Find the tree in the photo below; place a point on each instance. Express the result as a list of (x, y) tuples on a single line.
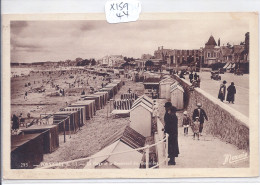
[(149, 64), (78, 59)]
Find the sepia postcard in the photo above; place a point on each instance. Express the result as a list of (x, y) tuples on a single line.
[(167, 96)]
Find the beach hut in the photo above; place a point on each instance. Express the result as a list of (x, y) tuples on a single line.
[(109, 90), (105, 96), (67, 120), (177, 93), (26, 150), (164, 88), (141, 119), (102, 99), (82, 111), (93, 97), (144, 99), (151, 86), (129, 96), (113, 87), (123, 140), (50, 136), (90, 107), (124, 104)]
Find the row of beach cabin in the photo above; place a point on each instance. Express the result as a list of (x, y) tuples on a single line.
[(28, 147)]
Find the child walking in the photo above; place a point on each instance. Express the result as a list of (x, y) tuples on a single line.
[(196, 126), (186, 123)]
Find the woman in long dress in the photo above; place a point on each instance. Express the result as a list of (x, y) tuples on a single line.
[(222, 91), (231, 93)]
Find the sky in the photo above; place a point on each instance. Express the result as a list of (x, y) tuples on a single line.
[(40, 41)]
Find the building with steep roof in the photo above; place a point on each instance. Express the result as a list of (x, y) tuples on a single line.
[(238, 53), (211, 43), (211, 51), (226, 54)]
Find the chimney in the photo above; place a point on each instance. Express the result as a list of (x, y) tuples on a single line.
[(219, 42), (162, 47), (158, 48)]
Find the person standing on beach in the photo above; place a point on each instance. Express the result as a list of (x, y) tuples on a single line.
[(15, 125), (25, 95), (171, 128), (199, 112), (231, 93), (222, 91)]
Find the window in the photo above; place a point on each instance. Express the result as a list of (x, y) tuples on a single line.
[(214, 54), (208, 54)]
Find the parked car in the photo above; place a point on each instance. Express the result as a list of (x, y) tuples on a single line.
[(221, 71), (215, 75)]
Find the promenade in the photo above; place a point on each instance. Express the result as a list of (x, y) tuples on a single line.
[(241, 103)]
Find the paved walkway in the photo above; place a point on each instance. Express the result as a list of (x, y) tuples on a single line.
[(208, 152), (242, 87)]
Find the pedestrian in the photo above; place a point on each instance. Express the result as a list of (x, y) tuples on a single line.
[(196, 128), (231, 93), (199, 112), (25, 95), (222, 91), (15, 121), (20, 119), (171, 128), (83, 92), (196, 76), (191, 76), (182, 75), (28, 115), (186, 122), (198, 82)]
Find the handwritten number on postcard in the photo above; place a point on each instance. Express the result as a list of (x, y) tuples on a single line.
[(122, 11)]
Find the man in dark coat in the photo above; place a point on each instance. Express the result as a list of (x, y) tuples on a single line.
[(171, 128), (196, 76), (191, 77), (231, 93), (199, 112), (222, 91), (182, 74)]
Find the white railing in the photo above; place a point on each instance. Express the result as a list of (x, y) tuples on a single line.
[(161, 151), (160, 128), (146, 148)]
